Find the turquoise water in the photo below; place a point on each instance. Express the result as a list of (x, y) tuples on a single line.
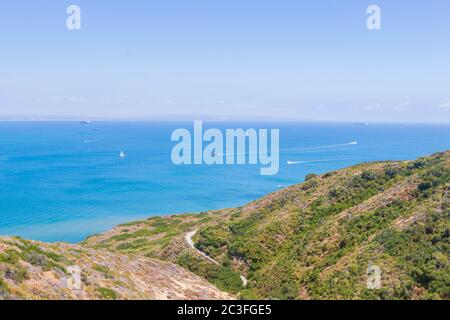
[(62, 181)]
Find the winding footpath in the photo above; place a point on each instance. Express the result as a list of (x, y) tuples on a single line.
[(188, 237), (189, 241)]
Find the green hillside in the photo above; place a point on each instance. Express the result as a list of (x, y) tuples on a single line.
[(316, 240)]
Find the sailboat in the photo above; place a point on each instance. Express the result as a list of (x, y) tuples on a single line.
[(122, 154)]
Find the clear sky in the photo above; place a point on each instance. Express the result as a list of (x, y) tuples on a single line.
[(298, 59)]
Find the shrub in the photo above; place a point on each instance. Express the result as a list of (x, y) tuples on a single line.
[(106, 294), (418, 164), (4, 289), (9, 257), (104, 270), (424, 186), (17, 275), (391, 172), (36, 259), (223, 277), (310, 176), (369, 176)]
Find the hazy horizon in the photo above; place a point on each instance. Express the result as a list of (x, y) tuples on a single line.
[(209, 118)]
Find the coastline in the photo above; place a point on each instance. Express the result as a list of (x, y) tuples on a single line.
[(73, 189), (224, 245)]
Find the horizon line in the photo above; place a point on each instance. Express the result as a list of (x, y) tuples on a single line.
[(354, 122)]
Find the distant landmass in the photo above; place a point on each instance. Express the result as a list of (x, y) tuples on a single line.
[(175, 117)]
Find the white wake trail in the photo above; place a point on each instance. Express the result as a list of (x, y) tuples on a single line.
[(330, 146)]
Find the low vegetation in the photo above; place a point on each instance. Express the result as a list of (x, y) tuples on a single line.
[(315, 240), (35, 270)]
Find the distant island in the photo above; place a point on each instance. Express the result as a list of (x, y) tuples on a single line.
[(372, 231)]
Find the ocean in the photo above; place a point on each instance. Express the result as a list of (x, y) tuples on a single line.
[(63, 181)]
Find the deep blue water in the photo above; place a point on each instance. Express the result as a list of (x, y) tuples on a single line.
[(62, 181)]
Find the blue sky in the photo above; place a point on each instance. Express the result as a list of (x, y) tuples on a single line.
[(287, 58)]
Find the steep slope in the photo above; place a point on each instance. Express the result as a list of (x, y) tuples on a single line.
[(34, 270), (320, 239), (164, 238)]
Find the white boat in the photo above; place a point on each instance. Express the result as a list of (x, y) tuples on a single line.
[(85, 122), (122, 154)]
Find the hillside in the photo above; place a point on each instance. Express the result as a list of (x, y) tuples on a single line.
[(317, 240), (34, 270)]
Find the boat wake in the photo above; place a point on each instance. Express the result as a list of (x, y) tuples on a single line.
[(319, 148), (313, 161), (294, 162)]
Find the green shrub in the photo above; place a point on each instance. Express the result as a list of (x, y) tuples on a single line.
[(392, 172), (369, 175), (310, 176), (104, 270), (418, 164), (106, 293), (18, 275), (223, 277), (9, 257), (4, 289)]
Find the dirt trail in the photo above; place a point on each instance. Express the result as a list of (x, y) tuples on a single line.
[(188, 237), (189, 241)]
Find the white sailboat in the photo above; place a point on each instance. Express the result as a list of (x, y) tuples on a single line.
[(122, 154)]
